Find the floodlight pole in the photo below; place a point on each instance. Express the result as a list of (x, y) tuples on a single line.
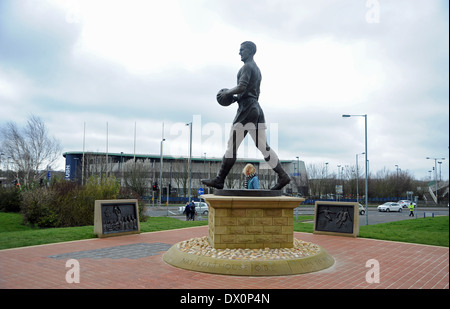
[(161, 164), (435, 176), (366, 165), (190, 158)]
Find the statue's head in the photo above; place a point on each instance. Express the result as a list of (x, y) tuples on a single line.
[(250, 46)]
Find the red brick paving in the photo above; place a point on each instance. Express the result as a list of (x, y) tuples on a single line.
[(402, 266)]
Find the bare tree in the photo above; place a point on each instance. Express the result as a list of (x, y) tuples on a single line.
[(31, 148), (137, 176)]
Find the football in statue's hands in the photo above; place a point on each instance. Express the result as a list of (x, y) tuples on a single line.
[(224, 100)]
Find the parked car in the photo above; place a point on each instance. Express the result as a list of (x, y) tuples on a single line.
[(405, 203), (200, 208), (390, 206), (362, 209)]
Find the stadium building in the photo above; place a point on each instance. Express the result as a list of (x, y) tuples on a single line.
[(149, 175)]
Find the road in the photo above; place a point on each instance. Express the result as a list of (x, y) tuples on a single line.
[(374, 217), (169, 211)]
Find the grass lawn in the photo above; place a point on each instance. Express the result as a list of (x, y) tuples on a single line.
[(13, 234), (431, 231), (428, 231)]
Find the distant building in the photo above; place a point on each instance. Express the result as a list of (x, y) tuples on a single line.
[(130, 168)]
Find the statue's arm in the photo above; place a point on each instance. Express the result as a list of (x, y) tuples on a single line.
[(236, 90)]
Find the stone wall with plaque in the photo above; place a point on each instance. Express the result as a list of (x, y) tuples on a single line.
[(116, 217), (251, 222), (336, 218)]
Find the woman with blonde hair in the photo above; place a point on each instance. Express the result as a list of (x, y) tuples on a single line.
[(251, 180)]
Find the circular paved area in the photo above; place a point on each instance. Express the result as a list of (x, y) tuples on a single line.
[(135, 262)]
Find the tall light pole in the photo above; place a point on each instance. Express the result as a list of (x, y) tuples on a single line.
[(338, 194), (365, 138), (161, 165), (357, 177), (190, 158), (396, 180), (435, 175), (326, 179)]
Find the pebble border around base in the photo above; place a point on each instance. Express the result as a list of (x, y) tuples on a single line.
[(197, 255)]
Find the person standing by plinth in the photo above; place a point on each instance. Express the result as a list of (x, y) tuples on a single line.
[(251, 179)]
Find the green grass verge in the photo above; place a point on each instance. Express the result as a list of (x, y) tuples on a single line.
[(430, 231), (427, 231), (13, 234)]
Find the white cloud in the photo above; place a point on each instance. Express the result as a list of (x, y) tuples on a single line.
[(150, 62)]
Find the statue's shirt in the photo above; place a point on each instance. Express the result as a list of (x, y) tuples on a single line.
[(249, 110)]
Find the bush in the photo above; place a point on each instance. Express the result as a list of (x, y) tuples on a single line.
[(10, 199), (37, 207), (66, 203)]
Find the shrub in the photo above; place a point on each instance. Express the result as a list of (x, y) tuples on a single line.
[(10, 199), (66, 203), (37, 207)]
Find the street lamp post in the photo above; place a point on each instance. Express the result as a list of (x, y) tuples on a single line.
[(161, 165), (366, 167), (435, 174), (190, 158), (357, 177), (396, 180), (326, 179), (338, 195)]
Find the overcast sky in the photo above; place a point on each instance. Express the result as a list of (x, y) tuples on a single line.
[(143, 63)]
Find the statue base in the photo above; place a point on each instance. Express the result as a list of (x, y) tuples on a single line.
[(197, 255), (249, 236)]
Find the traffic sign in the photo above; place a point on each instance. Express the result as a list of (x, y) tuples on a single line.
[(201, 191)]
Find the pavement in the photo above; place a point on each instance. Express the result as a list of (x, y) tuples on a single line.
[(135, 262)]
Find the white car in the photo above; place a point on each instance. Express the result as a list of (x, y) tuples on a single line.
[(405, 203), (362, 209), (200, 208), (390, 206)]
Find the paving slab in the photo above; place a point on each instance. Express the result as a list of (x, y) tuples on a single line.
[(135, 262)]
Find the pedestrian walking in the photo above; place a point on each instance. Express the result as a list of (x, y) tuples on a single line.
[(192, 208), (411, 209), (187, 211)]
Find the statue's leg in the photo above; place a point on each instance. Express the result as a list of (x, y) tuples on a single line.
[(260, 139), (228, 160)]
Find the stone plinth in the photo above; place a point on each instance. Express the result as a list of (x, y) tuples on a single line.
[(249, 236), (251, 222)]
